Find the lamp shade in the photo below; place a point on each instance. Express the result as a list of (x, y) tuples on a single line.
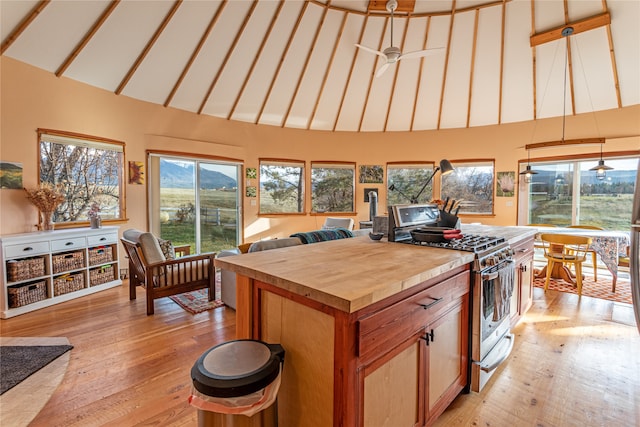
[(601, 167), (528, 171), (445, 167)]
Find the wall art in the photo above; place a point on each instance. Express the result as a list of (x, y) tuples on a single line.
[(371, 174), (506, 184), (10, 175), (136, 172)]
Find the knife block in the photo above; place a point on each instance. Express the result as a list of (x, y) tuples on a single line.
[(448, 220)]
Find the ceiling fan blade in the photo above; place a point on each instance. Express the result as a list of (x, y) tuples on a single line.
[(382, 69), (421, 53), (368, 49)]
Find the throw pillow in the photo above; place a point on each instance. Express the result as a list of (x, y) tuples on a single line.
[(167, 249)]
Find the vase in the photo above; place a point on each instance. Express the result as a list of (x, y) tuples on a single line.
[(95, 222), (47, 220)]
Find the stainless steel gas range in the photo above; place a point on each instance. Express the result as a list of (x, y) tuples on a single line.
[(493, 280)]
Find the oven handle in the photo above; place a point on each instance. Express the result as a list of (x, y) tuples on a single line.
[(502, 358), (494, 275)]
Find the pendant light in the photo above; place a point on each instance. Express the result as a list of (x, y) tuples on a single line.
[(528, 172), (601, 169)]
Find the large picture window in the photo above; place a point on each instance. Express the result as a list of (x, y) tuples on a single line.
[(407, 181), (86, 170), (567, 192), (281, 186), (332, 187), (472, 184)]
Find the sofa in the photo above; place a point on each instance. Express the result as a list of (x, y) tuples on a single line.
[(228, 278)]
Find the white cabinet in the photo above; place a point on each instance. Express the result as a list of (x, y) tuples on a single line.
[(48, 267)]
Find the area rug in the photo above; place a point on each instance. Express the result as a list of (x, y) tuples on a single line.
[(196, 301), (19, 362), (600, 289)]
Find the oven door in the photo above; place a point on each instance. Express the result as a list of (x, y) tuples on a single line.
[(492, 343)]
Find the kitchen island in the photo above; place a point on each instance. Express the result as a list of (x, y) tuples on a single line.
[(375, 333)]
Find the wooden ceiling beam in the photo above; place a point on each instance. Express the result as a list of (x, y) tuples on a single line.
[(580, 26), (559, 143), (33, 14)]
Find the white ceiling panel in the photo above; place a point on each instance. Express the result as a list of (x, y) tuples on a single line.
[(113, 50), (456, 93), (272, 72), (55, 33), (485, 92), (161, 69)]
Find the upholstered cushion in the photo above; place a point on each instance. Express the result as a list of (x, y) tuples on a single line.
[(265, 245), (132, 235), (244, 248), (167, 248), (150, 248)]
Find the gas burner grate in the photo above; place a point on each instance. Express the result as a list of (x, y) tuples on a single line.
[(469, 243)]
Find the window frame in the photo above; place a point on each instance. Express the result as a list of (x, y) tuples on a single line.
[(329, 164), (283, 163), (458, 163), (91, 141)]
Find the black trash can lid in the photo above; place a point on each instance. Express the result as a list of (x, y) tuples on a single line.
[(237, 368)]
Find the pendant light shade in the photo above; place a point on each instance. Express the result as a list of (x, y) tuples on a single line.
[(528, 172), (601, 169)]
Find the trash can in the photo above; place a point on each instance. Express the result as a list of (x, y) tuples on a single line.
[(236, 384)]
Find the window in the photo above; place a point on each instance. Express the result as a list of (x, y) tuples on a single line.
[(195, 201), (566, 192), (332, 187), (87, 169), (472, 184), (407, 181), (281, 186)]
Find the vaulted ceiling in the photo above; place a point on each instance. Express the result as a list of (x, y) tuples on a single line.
[(295, 64)]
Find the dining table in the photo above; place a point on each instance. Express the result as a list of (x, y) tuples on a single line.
[(608, 244)]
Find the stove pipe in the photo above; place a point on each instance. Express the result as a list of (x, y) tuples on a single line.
[(373, 204)]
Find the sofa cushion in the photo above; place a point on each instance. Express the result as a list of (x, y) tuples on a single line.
[(265, 245), (323, 235)]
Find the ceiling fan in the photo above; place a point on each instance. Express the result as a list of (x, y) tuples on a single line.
[(392, 54)]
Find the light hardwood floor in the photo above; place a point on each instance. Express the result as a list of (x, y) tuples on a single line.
[(575, 363)]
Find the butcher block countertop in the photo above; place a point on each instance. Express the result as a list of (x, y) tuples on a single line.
[(350, 274)]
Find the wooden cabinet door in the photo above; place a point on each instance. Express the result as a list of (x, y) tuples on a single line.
[(525, 282), (447, 358)]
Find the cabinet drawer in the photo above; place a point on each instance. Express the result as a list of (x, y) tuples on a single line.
[(101, 239), (26, 249), (389, 327), (68, 244)]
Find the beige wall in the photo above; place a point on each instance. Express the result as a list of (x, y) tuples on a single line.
[(32, 98)]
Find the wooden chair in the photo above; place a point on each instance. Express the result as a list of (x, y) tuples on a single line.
[(538, 244), (161, 277), (564, 249), (594, 255), (623, 261)]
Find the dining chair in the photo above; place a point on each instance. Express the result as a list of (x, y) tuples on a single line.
[(594, 255), (538, 244), (564, 249), (623, 261)]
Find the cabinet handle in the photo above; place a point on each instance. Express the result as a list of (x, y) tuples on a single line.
[(523, 267), (69, 244), (431, 304), (102, 239), (428, 336), (27, 249)]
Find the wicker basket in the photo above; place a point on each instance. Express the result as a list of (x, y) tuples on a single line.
[(100, 255), (101, 275), (25, 269), (67, 261), (68, 283), (27, 293)]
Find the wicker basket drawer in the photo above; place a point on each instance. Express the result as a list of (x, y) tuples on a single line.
[(25, 269), (101, 275), (27, 293), (67, 261), (68, 283), (100, 255)]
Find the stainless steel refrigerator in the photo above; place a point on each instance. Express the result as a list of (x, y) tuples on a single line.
[(635, 250)]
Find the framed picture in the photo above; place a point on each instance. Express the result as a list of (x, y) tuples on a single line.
[(10, 175), (251, 192), (251, 173), (371, 174), (136, 172), (506, 183)]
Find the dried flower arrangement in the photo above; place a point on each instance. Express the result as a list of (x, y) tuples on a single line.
[(94, 212), (46, 198)]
